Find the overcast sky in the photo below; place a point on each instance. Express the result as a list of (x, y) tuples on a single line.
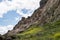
[(11, 12)]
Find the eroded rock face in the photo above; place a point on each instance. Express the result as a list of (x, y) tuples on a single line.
[(26, 22), (49, 11), (33, 18), (46, 13), (42, 3)]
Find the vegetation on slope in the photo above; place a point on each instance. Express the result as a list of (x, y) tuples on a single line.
[(50, 31)]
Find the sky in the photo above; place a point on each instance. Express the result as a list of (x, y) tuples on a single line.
[(11, 11)]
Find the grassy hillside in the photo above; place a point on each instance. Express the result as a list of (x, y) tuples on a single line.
[(50, 31)]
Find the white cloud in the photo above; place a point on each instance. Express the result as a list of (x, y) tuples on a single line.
[(4, 29), (29, 13), (6, 5)]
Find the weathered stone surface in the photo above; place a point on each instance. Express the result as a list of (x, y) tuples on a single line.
[(49, 11), (42, 3), (45, 14)]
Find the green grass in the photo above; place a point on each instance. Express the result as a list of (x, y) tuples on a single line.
[(34, 30), (57, 36), (30, 33), (50, 31)]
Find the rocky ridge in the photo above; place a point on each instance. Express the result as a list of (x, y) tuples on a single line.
[(25, 23), (49, 11)]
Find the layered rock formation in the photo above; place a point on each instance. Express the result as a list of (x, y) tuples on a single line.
[(25, 23), (49, 11)]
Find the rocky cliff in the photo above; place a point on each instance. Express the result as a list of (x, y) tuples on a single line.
[(24, 23), (47, 13)]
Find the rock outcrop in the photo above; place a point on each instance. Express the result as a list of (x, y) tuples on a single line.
[(24, 23), (49, 11)]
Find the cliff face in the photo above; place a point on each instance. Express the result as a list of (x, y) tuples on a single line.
[(49, 11), (27, 22)]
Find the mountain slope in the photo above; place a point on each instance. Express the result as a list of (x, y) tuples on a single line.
[(44, 24), (49, 31)]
